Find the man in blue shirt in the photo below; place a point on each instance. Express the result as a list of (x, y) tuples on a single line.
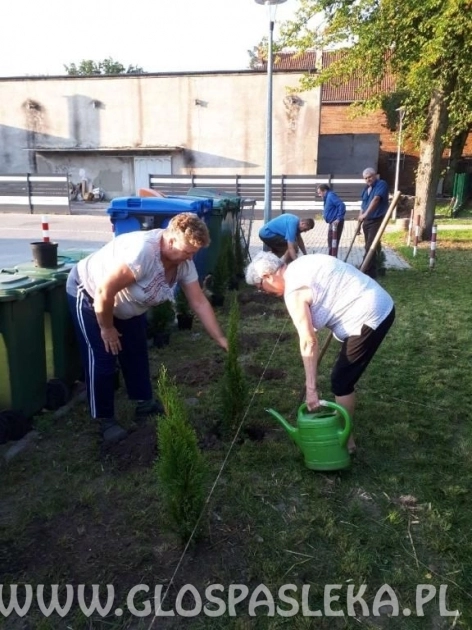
[(282, 235), (333, 213), (374, 206)]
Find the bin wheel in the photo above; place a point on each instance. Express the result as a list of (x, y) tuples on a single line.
[(13, 425), (57, 394)]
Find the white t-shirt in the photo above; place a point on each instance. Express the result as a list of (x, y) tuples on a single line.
[(344, 298), (141, 252)]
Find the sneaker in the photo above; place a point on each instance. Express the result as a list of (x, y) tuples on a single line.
[(147, 408), (111, 431)]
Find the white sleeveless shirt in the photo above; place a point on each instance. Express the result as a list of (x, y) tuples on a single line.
[(344, 298)]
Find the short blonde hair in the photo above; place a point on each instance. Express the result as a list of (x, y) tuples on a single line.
[(193, 229)]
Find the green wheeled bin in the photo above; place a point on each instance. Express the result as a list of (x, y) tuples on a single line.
[(222, 218), (227, 204), (73, 255), (63, 362), (22, 351)]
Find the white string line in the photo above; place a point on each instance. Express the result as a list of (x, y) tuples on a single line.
[(212, 489)]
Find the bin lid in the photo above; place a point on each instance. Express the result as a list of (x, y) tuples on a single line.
[(222, 201), (214, 194), (122, 207), (15, 286), (206, 203), (61, 271), (74, 255)]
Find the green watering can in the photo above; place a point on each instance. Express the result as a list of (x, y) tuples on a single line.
[(322, 435)]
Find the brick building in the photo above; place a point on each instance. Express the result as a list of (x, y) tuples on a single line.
[(337, 118)]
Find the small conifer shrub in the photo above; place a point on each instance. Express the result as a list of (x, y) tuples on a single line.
[(181, 467)]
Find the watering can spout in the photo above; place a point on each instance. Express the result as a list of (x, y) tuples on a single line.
[(292, 431)]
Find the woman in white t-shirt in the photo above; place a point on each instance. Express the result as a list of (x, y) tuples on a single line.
[(321, 291), (109, 293)]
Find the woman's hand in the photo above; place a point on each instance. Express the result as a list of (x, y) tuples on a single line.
[(104, 300), (223, 342), (111, 339), (312, 400), (202, 307)]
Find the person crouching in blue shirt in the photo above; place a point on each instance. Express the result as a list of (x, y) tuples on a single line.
[(334, 210), (282, 235)]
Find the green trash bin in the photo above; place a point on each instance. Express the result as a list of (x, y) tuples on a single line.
[(461, 191), (223, 218), (73, 255), (228, 204), (22, 344), (63, 362)]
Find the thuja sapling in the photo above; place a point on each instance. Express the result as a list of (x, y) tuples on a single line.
[(181, 468)]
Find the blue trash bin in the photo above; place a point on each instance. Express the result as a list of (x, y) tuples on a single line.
[(130, 214)]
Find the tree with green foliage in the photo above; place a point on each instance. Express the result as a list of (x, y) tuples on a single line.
[(234, 391), (425, 44), (88, 67), (180, 467)]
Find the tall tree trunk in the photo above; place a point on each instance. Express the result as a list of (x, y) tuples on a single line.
[(431, 148), (457, 148)]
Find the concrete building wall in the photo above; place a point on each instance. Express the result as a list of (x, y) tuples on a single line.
[(217, 120)]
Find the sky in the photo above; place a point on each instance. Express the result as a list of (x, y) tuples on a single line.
[(39, 38)]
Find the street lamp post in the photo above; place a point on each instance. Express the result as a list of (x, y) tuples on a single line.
[(272, 7), (401, 114)]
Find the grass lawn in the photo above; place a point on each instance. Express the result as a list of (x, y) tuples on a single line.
[(444, 211), (400, 516)]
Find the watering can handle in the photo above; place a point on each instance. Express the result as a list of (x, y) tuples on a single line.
[(344, 436)]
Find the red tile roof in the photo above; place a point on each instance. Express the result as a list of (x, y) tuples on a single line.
[(299, 62), (352, 90), (347, 92)]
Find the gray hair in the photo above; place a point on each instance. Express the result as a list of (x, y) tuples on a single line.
[(263, 263), (369, 171)]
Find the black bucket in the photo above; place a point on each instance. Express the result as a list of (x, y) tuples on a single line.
[(44, 254)]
